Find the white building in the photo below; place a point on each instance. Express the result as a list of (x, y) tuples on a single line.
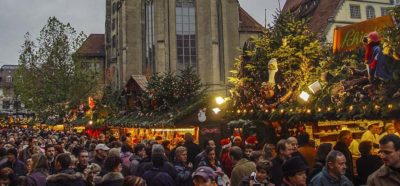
[(326, 15)]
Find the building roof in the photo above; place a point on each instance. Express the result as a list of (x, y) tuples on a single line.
[(248, 23), (93, 46), (141, 80), (319, 14)]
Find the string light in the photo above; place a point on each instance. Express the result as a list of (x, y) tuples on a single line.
[(308, 111), (329, 109), (351, 108), (376, 107), (291, 110), (251, 110), (319, 109), (390, 106), (238, 111), (266, 110), (282, 111)]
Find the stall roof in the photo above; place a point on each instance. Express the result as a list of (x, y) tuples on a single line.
[(141, 80)]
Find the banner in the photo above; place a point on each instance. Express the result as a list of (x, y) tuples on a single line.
[(350, 37)]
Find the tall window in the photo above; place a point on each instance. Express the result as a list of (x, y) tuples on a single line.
[(355, 11), (384, 11), (370, 12), (186, 34), (150, 63)]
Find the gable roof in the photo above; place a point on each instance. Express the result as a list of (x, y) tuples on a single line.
[(319, 15), (93, 46), (141, 80), (248, 23)]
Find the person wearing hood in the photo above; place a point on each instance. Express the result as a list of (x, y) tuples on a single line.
[(260, 177), (65, 176)]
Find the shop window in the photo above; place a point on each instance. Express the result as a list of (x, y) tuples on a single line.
[(370, 12), (355, 11), (384, 11)]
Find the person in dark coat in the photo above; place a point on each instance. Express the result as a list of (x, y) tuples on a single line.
[(344, 140), (65, 176), (284, 152), (12, 162), (83, 161), (50, 154), (101, 154), (183, 169), (157, 174), (368, 163), (193, 148), (320, 158), (158, 161), (113, 169)]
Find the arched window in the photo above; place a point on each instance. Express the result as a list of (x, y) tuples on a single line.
[(186, 34), (370, 12), (149, 26)]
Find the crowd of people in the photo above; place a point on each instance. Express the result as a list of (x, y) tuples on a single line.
[(37, 158)]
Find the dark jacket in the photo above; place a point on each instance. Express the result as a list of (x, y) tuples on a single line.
[(158, 177), (184, 177), (366, 165), (167, 167), (66, 178), (135, 161), (18, 167), (37, 178), (340, 146), (317, 168), (112, 179), (80, 168), (192, 149), (276, 171), (98, 161), (323, 178)]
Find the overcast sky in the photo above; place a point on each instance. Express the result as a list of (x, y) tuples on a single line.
[(20, 16)]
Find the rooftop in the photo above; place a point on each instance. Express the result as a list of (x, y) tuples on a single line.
[(93, 46), (248, 23)]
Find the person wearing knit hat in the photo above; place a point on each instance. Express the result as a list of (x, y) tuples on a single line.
[(226, 143), (251, 140), (294, 172), (377, 65), (226, 161)]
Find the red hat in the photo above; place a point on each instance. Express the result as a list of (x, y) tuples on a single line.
[(225, 143), (251, 140), (374, 36)]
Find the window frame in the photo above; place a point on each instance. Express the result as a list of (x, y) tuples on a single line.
[(353, 14)]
